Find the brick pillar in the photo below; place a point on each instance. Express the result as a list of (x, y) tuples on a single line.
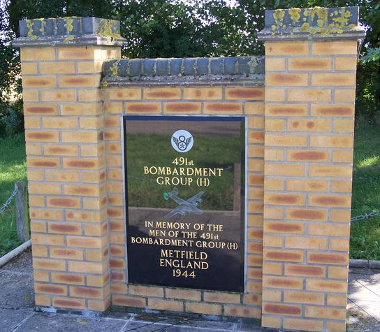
[(310, 71), (61, 61)]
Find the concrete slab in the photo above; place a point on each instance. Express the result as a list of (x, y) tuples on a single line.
[(43, 322), (373, 286), (16, 309), (10, 319), (151, 321), (366, 276), (16, 290), (359, 292), (16, 279), (206, 327), (169, 319), (148, 327), (186, 321), (371, 308), (359, 321), (364, 292)]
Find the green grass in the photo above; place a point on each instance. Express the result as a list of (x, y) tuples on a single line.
[(365, 234), (12, 169)]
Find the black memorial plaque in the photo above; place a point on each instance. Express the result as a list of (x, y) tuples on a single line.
[(185, 201)]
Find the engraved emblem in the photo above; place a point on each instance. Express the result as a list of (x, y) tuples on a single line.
[(182, 141), (184, 205)]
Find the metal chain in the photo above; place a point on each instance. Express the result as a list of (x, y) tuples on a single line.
[(357, 218), (8, 201), (366, 216)]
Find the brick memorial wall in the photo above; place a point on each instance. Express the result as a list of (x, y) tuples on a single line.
[(215, 96), (299, 120)]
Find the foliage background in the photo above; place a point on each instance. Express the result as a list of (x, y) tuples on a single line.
[(194, 28), (179, 28)]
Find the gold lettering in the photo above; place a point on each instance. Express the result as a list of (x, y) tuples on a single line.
[(162, 242), (165, 171), (161, 171), (148, 224), (181, 264), (173, 225), (156, 232), (166, 253), (184, 254), (210, 245)]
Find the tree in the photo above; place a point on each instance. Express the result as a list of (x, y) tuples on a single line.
[(192, 28), (160, 28)]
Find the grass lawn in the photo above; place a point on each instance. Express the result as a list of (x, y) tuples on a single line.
[(365, 234), (12, 169)]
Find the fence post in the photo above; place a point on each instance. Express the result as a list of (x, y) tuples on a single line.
[(22, 219)]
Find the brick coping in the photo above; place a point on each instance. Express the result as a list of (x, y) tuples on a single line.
[(218, 68)]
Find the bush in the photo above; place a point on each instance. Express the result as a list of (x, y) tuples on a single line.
[(368, 87), (11, 123)]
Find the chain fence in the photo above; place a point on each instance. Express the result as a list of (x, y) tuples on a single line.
[(9, 200), (366, 216), (357, 218)]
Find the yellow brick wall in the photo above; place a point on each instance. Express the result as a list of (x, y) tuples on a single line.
[(299, 195), (309, 121), (179, 100), (64, 134)]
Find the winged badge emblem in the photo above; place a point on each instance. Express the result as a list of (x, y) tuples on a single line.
[(182, 142)]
